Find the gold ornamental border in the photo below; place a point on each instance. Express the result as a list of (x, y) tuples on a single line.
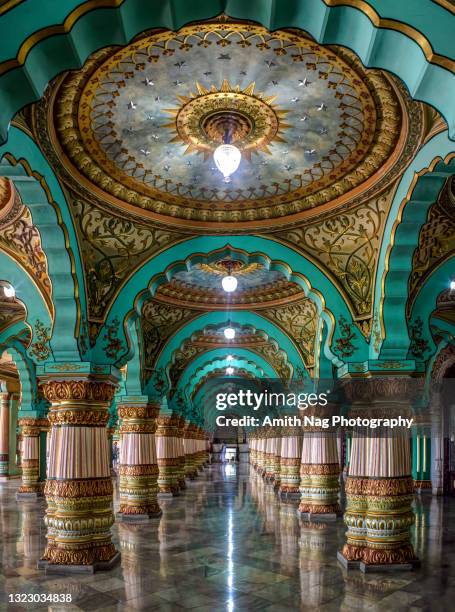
[(404, 202), (123, 194)]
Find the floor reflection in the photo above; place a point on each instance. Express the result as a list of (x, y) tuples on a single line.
[(229, 543)]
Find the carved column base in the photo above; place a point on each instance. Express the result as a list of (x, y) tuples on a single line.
[(319, 489), (4, 466), (57, 567), (30, 492), (168, 478), (138, 492), (290, 477), (84, 507), (181, 473), (378, 517), (421, 486)]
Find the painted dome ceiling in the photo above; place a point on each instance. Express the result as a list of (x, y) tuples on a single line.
[(257, 286), (137, 126)]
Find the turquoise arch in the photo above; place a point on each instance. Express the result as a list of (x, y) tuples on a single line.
[(402, 244), (314, 284), (377, 47), (26, 292), (221, 318), (30, 404), (425, 301), (208, 369), (188, 338), (53, 241), (216, 359)]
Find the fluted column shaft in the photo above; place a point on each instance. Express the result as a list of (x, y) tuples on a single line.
[(138, 469), (79, 487), (31, 428)]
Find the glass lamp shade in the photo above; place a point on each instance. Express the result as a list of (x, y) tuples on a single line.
[(229, 333), (229, 283), (227, 159), (229, 371), (9, 291), (452, 285), (229, 358)]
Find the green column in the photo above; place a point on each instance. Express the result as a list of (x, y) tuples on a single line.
[(421, 460)]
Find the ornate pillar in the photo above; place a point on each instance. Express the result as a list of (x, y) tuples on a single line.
[(356, 502), (261, 456), (291, 453), (252, 442), (4, 431), (167, 449), (138, 468), (31, 486), (189, 447), (79, 486), (180, 453), (269, 455), (421, 460), (272, 468), (198, 449), (319, 473), (379, 487), (390, 492)]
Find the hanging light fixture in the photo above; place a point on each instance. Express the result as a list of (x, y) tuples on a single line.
[(229, 358), (9, 291), (452, 284), (227, 157), (230, 371), (229, 282), (229, 332)]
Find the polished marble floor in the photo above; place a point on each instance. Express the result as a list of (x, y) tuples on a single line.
[(229, 544)]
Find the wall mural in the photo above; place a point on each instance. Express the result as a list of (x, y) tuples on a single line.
[(113, 248), (436, 241), (20, 238), (158, 322), (346, 244), (300, 321)]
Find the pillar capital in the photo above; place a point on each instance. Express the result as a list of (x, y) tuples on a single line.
[(32, 426)]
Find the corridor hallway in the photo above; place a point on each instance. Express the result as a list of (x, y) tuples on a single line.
[(229, 543)]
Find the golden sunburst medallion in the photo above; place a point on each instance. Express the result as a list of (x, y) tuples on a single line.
[(209, 117)]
